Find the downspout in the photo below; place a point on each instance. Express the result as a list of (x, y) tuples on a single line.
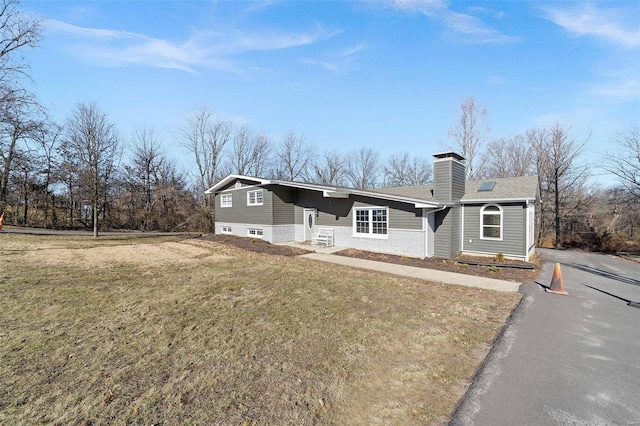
[(527, 243)]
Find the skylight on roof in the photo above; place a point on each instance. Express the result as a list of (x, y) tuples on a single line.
[(486, 186)]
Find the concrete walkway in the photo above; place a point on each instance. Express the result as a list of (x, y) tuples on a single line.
[(415, 272)]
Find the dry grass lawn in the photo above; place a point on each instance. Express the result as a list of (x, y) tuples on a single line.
[(168, 331)]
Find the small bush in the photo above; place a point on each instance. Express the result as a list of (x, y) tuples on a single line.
[(500, 257)]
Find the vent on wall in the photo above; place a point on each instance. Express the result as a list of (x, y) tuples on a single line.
[(486, 186)]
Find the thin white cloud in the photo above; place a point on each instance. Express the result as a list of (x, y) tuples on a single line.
[(326, 65), (339, 62), (425, 7), (202, 49), (462, 27), (617, 25), (354, 50), (619, 90)]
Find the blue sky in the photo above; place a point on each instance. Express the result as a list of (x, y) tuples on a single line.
[(383, 74)]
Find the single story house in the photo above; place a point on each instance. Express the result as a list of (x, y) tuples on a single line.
[(446, 218)]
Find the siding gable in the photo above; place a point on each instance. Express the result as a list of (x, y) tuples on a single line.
[(513, 230), (240, 212)]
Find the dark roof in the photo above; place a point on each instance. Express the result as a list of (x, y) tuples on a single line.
[(424, 192), (448, 154), (515, 188), (505, 189)]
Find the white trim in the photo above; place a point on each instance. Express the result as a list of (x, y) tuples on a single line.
[(370, 234), (440, 160), (530, 229), (242, 188), (417, 202), (482, 225), (225, 229), (495, 200), (255, 203), (327, 191), (255, 232), (306, 229), (493, 254), (229, 200), (462, 226), (224, 182), (425, 228)]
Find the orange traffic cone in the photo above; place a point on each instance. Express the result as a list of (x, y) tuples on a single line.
[(557, 286), (1, 220)]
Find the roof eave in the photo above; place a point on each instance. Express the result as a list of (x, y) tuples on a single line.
[(497, 200), (230, 178), (417, 202)]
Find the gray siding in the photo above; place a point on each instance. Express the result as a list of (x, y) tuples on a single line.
[(241, 213), (283, 209), (448, 180), (458, 180), (339, 211), (513, 230), (331, 211), (456, 230), (447, 232), (442, 180), (442, 235)]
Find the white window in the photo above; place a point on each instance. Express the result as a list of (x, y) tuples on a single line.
[(491, 222), (254, 198), (371, 222), (226, 200), (225, 229), (255, 232)]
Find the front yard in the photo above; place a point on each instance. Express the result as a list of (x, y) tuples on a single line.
[(161, 330)]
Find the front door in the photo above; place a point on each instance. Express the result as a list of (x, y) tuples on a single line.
[(309, 223)]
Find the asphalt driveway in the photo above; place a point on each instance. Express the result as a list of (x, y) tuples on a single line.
[(566, 360)]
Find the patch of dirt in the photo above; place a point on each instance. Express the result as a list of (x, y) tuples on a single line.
[(451, 265), (255, 245), (156, 254)]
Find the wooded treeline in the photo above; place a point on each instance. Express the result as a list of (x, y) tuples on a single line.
[(83, 174)]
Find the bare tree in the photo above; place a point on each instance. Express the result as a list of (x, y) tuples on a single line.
[(17, 30), (92, 139), (402, 170), (362, 168), (153, 193), (25, 177), (20, 121), (205, 136), (468, 133), (48, 139), (68, 173), (561, 175), (625, 162), (250, 153), (293, 158), (329, 169), (509, 157), (147, 158)]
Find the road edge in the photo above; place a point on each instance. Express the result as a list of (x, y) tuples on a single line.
[(501, 345)]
